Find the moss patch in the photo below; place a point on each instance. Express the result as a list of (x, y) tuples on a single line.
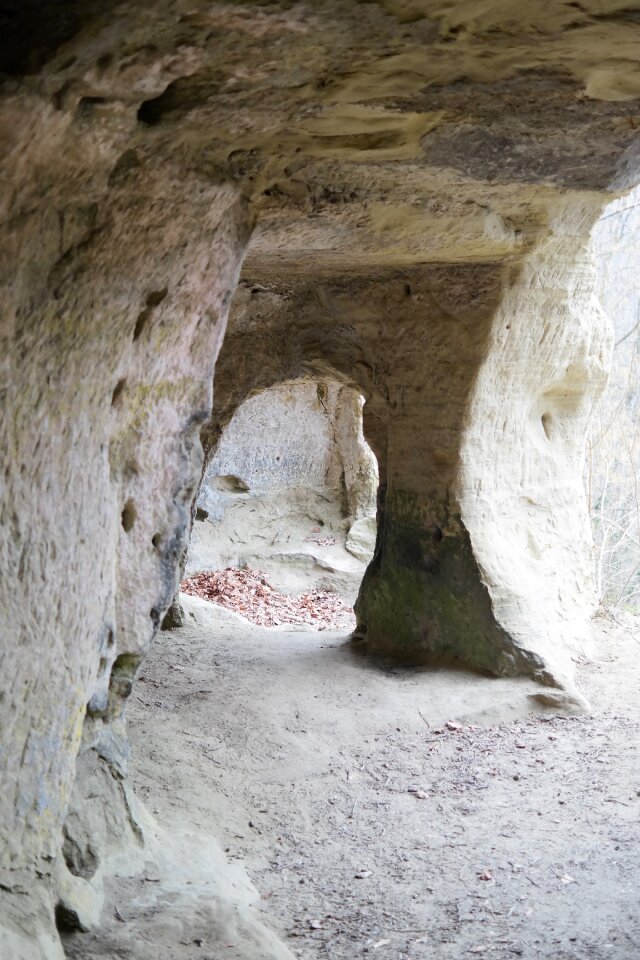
[(422, 598)]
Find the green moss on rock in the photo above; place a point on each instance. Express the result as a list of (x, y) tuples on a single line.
[(423, 600)]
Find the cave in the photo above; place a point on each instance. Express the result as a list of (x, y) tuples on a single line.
[(404, 204)]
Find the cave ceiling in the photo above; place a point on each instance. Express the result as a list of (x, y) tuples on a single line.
[(365, 135)]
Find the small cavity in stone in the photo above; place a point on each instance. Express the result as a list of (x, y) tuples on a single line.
[(129, 515)]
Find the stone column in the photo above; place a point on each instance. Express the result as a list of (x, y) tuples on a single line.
[(520, 484), (483, 552)]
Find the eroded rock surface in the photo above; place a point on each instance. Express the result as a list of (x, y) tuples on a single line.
[(117, 278), (613, 450), (302, 434), (424, 178)]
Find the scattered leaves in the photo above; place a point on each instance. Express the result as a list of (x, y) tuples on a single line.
[(249, 593)]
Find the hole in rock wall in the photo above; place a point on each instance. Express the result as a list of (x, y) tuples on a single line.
[(118, 390), (128, 517), (547, 421), (285, 517)]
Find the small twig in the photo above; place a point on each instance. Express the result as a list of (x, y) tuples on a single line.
[(423, 718)]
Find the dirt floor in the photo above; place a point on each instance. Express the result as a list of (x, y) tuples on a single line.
[(366, 811), (392, 813)]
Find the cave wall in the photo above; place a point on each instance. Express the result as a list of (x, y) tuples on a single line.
[(422, 177), (526, 508), (307, 433), (613, 447), (116, 289)]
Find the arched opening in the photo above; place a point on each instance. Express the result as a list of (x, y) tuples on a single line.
[(285, 518)]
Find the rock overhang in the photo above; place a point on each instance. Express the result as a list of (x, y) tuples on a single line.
[(377, 133)]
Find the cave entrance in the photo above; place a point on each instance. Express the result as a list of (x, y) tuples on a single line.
[(285, 516)]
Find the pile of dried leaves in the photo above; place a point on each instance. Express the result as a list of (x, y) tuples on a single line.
[(249, 593)]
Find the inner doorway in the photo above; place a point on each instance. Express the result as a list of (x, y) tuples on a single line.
[(285, 516)]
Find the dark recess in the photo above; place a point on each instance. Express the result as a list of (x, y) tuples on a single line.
[(32, 30)]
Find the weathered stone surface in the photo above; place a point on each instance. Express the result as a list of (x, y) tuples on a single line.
[(613, 455), (302, 434), (79, 904), (525, 507), (114, 299), (361, 538), (424, 178), (174, 618)]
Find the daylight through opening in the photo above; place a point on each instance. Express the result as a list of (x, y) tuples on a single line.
[(285, 517)]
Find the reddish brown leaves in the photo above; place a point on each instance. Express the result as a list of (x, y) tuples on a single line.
[(249, 593)]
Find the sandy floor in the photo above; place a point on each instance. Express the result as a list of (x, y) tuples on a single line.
[(393, 813), (362, 811)]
